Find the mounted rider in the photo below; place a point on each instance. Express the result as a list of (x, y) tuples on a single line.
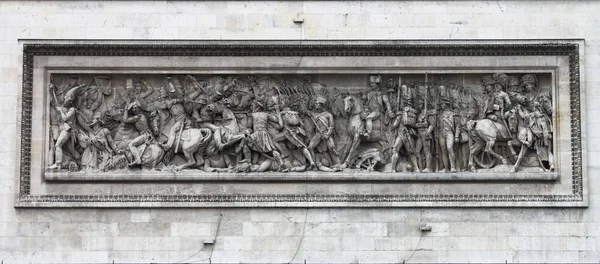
[(498, 101), (375, 100), (182, 121)]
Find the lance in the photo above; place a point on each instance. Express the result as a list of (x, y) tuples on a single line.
[(398, 99)]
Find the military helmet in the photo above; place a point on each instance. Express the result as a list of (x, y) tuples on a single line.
[(487, 80), (320, 99), (501, 78), (513, 80), (529, 79), (375, 78)]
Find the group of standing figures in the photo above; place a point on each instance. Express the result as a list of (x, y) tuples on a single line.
[(288, 123)]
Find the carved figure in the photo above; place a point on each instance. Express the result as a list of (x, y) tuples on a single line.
[(425, 128), (522, 135), (260, 140), (67, 114), (375, 100), (293, 132), (140, 123), (405, 137), (538, 117), (448, 130), (354, 107), (99, 147), (486, 132), (322, 139)]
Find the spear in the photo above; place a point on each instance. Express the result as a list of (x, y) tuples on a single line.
[(398, 100)]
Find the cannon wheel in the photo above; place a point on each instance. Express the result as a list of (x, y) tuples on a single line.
[(484, 159)]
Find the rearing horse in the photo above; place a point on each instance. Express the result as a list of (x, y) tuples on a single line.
[(354, 107)]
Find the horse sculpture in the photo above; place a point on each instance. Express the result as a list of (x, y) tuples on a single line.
[(354, 107), (228, 131), (188, 141), (484, 134)]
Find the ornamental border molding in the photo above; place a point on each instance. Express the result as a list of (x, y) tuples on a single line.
[(26, 199)]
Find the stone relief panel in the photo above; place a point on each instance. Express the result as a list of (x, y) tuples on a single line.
[(302, 125), (321, 123)]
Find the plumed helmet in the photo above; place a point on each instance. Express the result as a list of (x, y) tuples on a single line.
[(133, 104), (321, 100), (96, 119), (375, 78), (529, 79), (501, 79), (487, 80), (513, 80), (70, 95)]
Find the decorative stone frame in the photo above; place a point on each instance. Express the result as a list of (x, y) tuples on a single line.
[(353, 194)]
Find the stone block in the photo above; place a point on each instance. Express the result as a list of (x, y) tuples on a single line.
[(33, 229), (494, 256), (477, 229), (98, 229), (258, 229), (64, 243), (289, 229), (322, 244), (561, 256), (374, 229), (147, 229), (140, 216), (524, 243), (274, 243), (283, 215), (97, 243), (404, 229), (358, 243), (192, 229), (236, 243), (178, 20), (453, 256)]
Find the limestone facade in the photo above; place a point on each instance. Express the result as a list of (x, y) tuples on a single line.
[(339, 235)]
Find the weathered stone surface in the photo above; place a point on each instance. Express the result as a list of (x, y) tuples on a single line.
[(571, 241)]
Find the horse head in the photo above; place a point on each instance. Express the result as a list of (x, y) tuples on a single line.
[(352, 105), (214, 108), (512, 120)]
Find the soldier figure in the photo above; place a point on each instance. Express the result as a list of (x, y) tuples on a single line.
[(392, 91), (404, 123), (375, 100), (182, 121), (140, 122), (538, 116), (67, 116), (448, 131), (100, 146), (498, 101), (322, 139), (425, 126), (294, 133), (260, 140)]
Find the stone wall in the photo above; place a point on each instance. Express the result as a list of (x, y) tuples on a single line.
[(295, 235)]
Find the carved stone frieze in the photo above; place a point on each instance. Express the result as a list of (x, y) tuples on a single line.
[(290, 123), (373, 124)]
